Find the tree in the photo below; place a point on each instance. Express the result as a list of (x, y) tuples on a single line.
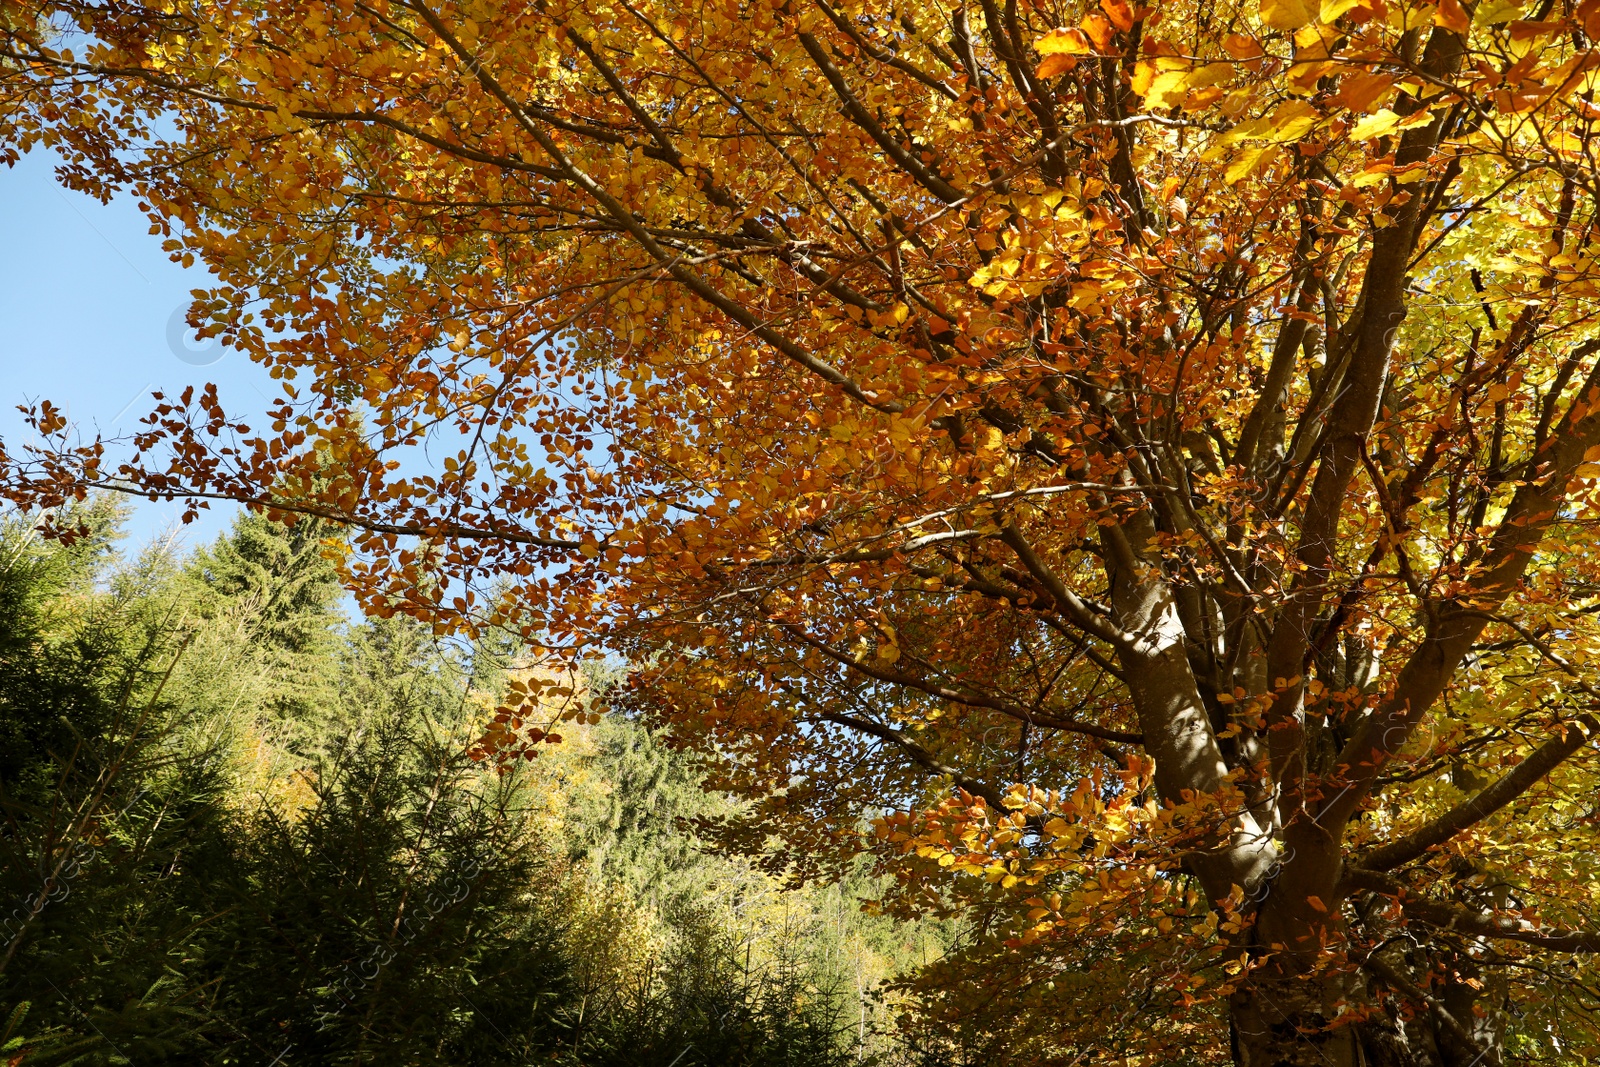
[(280, 571), (275, 579), (170, 893), (1146, 452)]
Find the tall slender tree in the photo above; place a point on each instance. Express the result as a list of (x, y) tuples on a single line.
[(273, 578)]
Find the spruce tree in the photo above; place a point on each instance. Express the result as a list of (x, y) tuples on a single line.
[(277, 578)]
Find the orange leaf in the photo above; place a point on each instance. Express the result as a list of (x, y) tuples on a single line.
[(1056, 64), (1524, 30), (1359, 92), (1242, 46), (1120, 13), (1452, 16), (1099, 29)]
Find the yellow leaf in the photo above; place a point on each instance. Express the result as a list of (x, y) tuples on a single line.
[(1167, 90), (1314, 42), (1147, 71), (1144, 76), (1370, 177), (1494, 12), (1289, 121), (1289, 14), (990, 441), (1170, 88), (1293, 120), (1248, 161), (1380, 124), (1331, 10), (1063, 43), (1303, 77)]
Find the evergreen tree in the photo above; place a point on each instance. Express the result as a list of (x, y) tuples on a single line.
[(99, 806), (282, 572), (634, 826), (345, 886), (277, 577)]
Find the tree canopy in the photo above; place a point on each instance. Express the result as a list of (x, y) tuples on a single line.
[(1131, 469)]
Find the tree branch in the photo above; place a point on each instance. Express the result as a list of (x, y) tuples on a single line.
[(1474, 923), (1456, 625), (920, 756), (957, 696), (1080, 613), (1404, 986)]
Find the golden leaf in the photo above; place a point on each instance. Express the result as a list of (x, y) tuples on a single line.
[(1063, 42), (1171, 88), (1099, 30), (1248, 161), (1289, 14), (1380, 124), (1332, 10), (1051, 66)]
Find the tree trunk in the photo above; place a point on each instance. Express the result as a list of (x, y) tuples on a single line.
[(1284, 1020)]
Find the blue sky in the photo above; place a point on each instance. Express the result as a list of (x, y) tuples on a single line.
[(87, 319)]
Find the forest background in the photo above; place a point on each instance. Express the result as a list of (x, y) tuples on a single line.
[(243, 827)]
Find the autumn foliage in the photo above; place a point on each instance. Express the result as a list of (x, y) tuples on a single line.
[(1144, 458)]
